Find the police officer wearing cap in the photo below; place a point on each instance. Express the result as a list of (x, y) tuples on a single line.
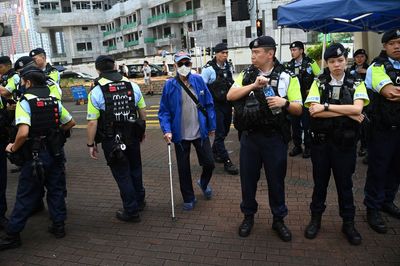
[(263, 95), (40, 118), (359, 70), (383, 175), (218, 77), (8, 81), (305, 69), (116, 117), (187, 117), (335, 102)]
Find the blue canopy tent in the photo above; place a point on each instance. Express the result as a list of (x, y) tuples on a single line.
[(328, 16)]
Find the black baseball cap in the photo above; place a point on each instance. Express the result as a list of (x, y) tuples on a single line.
[(5, 60), (103, 58), (263, 41), (36, 52), (297, 44), (220, 47), (390, 35), (335, 50), (23, 62)]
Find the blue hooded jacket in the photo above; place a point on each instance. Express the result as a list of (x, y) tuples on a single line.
[(170, 111)]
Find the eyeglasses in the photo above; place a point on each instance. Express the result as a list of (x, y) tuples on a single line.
[(186, 63)]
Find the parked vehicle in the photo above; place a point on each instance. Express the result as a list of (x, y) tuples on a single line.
[(136, 70), (76, 75)]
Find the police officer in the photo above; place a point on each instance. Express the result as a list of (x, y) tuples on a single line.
[(383, 175), (40, 119), (335, 102), (39, 56), (359, 70), (305, 69), (218, 77), (9, 78), (261, 117), (116, 118)]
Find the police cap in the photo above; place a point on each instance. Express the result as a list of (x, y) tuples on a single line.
[(36, 52), (334, 51), (390, 35), (5, 60), (263, 41), (23, 62), (297, 44), (103, 58), (220, 47), (30, 69), (360, 51)]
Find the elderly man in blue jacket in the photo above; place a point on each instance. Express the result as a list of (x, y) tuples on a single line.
[(187, 117)]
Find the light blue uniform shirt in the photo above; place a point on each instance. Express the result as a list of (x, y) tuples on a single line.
[(208, 74)]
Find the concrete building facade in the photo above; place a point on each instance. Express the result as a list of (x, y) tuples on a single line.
[(80, 30)]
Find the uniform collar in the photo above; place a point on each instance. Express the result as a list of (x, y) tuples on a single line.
[(112, 75), (395, 63), (336, 81)]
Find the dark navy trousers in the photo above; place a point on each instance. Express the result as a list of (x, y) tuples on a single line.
[(300, 125), (223, 112), (204, 155), (257, 150), (383, 175), (326, 158), (29, 192), (128, 174), (3, 179)]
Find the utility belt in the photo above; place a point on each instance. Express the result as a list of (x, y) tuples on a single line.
[(126, 131), (342, 138)]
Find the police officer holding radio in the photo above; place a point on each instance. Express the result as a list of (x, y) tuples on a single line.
[(335, 102), (305, 69), (262, 97), (40, 118), (218, 77), (116, 118), (383, 175)]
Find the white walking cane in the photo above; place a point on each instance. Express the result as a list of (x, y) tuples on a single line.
[(170, 182)]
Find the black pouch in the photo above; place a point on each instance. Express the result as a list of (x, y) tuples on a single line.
[(117, 156), (55, 142)]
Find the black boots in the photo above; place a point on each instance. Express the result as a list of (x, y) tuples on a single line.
[(313, 227), (3, 222), (123, 216), (57, 229), (353, 236), (246, 226), (307, 153), (391, 209), (230, 168), (10, 241), (375, 221), (295, 151), (283, 232)]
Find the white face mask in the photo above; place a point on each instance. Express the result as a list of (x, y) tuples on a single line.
[(183, 70)]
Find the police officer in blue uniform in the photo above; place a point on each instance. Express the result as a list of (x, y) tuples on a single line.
[(40, 119), (305, 69), (335, 102), (116, 119), (218, 77), (263, 95), (383, 176)]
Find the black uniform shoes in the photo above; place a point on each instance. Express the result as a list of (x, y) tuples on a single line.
[(10, 241), (57, 229), (313, 227), (375, 221), (295, 151), (391, 209), (353, 236), (230, 168), (282, 230), (246, 226), (123, 216)]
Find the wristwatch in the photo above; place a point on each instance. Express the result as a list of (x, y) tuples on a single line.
[(90, 145), (326, 106), (287, 104)]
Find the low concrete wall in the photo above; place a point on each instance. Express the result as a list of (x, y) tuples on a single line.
[(157, 84)]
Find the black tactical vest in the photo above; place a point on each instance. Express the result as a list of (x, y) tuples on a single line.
[(45, 115), (341, 129), (385, 113), (263, 118), (120, 112), (306, 79), (223, 82), (5, 121)]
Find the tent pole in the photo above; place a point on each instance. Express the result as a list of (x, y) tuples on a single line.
[(280, 44), (323, 51)]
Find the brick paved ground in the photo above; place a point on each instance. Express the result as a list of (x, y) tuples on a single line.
[(207, 235)]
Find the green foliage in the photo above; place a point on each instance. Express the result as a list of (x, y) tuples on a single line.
[(315, 51)]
